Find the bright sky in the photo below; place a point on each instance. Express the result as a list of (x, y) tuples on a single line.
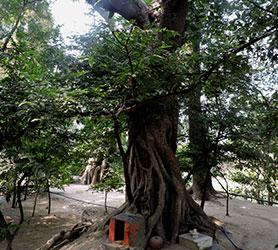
[(72, 16)]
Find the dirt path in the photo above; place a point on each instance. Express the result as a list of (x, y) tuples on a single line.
[(251, 226), (65, 213)]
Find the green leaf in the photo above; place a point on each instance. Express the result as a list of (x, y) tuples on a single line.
[(81, 72), (164, 46), (91, 62)]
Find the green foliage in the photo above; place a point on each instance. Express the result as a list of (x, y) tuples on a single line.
[(112, 180), (35, 136), (254, 148), (236, 120), (183, 159), (128, 67), (114, 59)]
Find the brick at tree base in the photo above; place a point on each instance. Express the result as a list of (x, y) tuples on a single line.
[(128, 230)]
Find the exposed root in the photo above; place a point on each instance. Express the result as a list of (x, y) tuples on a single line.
[(156, 186), (64, 237)]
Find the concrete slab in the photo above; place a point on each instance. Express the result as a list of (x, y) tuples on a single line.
[(198, 242)]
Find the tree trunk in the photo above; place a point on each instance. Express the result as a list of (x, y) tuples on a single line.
[(14, 193), (199, 144), (8, 235), (26, 189), (36, 198), (200, 186), (199, 150), (19, 198), (158, 191), (49, 198), (102, 168)]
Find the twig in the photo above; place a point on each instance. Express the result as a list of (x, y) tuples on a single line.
[(261, 8)]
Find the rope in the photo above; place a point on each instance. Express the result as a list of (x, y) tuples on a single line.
[(87, 202), (227, 235), (250, 197)]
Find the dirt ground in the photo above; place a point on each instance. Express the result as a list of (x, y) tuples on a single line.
[(250, 226)]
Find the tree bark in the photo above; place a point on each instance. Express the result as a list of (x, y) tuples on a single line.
[(156, 185), (136, 10), (93, 173), (200, 187)]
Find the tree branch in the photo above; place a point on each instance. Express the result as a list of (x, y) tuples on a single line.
[(186, 91), (269, 32), (125, 47), (129, 9), (170, 22), (5, 44), (105, 15), (203, 78), (25, 3), (259, 7)]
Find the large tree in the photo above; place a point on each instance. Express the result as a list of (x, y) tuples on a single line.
[(154, 185)]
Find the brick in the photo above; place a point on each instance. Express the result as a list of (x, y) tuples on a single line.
[(128, 230)]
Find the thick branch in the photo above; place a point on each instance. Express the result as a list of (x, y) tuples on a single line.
[(129, 9), (173, 16)]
